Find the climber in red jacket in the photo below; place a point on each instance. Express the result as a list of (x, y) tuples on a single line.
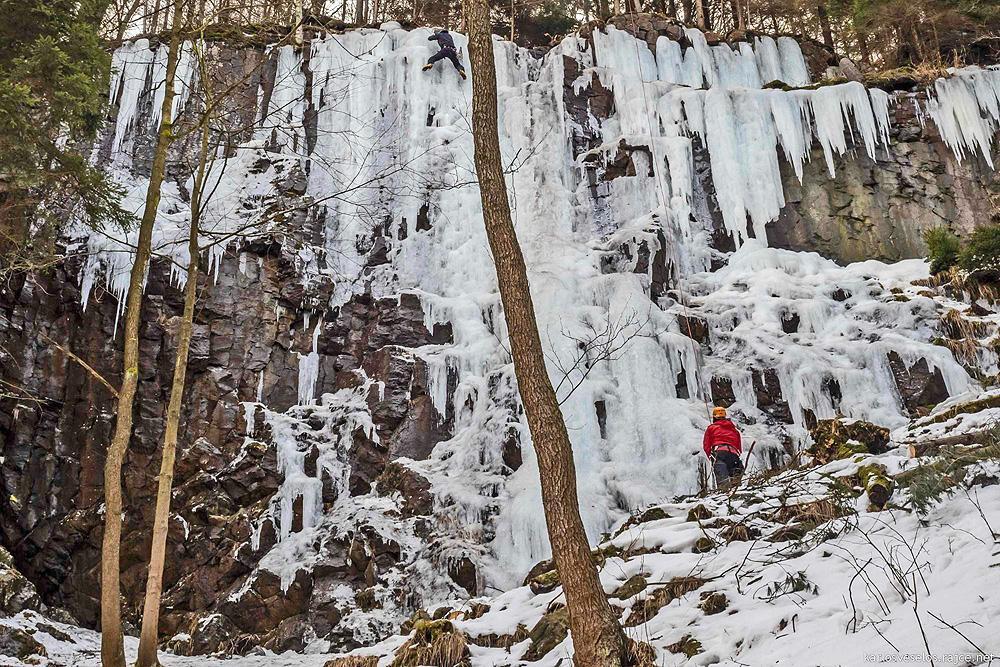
[(723, 447)]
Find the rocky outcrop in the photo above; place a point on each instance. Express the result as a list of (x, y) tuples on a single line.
[(16, 643), (225, 480), (16, 592), (880, 209), (920, 386)]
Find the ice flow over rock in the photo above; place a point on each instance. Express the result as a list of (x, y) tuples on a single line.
[(615, 263)]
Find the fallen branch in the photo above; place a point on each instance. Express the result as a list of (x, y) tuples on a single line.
[(87, 367)]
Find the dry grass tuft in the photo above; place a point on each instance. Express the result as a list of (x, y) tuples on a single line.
[(641, 654), (434, 644), (354, 661), (677, 587), (813, 513), (502, 641)]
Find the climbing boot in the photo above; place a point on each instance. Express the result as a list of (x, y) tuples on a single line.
[(461, 73), (427, 67)]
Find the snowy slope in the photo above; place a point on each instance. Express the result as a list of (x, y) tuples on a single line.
[(405, 135), (855, 585)]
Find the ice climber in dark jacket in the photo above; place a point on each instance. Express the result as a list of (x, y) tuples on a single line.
[(723, 446), (447, 50)]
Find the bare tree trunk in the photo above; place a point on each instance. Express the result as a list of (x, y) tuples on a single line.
[(154, 582), (688, 11), (702, 18), (739, 19), (112, 649), (298, 17), (359, 12), (156, 16), (597, 636), (602, 9), (824, 25), (866, 56)]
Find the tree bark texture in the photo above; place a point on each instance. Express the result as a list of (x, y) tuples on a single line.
[(154, 579), (597, 636), (112, 649)]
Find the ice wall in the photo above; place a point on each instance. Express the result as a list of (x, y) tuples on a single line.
[(392, 141)]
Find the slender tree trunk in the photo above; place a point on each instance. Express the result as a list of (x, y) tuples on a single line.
[(917, 42), (161, 523), (866, 56), (298, 16), (597, 636), (688, 5), (112, 649), (602, 9), (156, 17), (702, 17), (824, 25), (739, 19)]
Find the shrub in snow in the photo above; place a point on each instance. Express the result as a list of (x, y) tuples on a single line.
[(931, 483), (943, 248), (981, 255)]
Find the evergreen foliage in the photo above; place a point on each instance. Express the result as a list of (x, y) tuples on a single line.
[(53, 87), (943, 248), (981, 255)]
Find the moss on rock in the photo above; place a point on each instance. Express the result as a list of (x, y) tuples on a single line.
[(633, 586), (677, 587), (837, 438), (550, 631)]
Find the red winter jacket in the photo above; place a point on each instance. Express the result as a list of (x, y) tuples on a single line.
[(722, 434)]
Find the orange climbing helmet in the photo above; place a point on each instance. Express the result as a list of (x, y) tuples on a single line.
[(718, 412)]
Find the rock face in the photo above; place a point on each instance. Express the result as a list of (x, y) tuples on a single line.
[(920, 386), (17, 643), (224, 479), (879, 210)]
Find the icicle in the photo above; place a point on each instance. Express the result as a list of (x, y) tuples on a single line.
[(966, 109), (309, 370)]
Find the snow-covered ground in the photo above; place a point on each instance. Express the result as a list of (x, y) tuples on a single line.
[(854, 586)]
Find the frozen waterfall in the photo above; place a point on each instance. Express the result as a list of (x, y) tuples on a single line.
[(393, 143)]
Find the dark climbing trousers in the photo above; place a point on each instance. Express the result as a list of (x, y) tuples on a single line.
[(728, 468), (449, 53)]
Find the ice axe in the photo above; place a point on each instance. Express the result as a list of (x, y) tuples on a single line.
[(746, 463)]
